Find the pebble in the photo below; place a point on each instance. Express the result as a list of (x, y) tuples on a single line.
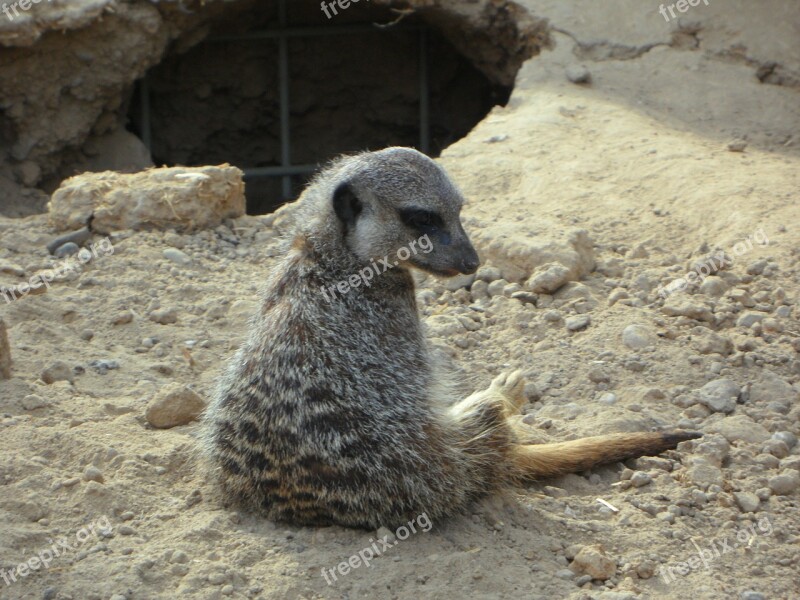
[(578, 323), (496, 287), (607, 398), (787, 437), (58, 371), (751, 595), (87, 335), (720, 395), (592, 560), (175, 404), (548, 279), (76, 238), (68, 249), (32, 402), (640, 479), (747, 501), (164, 316), (749, 318), (92, 473), (488, 274), (578, 74), (123, 318), (637, 337), (103, 366), (177, 256), (785, 483)]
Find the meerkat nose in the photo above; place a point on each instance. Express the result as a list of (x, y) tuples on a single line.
[(469, 263)]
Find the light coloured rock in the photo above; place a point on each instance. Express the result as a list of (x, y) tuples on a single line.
[(177, 256), (5, 352), (592, 560), (707, 341), (720, 395), (175, 404), (32, 402), (747, 501), (637, 337), (578, 323), (785, 483), (740, 428), (58, 371), (749, 318), (183, 198), (519, 254), (678, 306)]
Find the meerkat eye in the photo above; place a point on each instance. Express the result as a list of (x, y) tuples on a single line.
[(420, 219)]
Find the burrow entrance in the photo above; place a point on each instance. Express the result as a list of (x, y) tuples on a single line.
[(280, 89)]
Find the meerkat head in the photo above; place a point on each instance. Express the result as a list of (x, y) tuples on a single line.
[(399, 203)]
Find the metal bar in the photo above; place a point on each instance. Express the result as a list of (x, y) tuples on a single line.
[(277, 171), (286, 142), (424, 95), (146, 124), (311, 32)]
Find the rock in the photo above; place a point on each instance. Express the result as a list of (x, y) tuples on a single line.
[(578, 323), (608, 399), (123, 318), (787, 437), (58, 371), (637, 337), (548, 278), (720, 395), (713, 286), (5, 352), (65, 250), (488, 274), (747, 501), (92, 473), (749, 318), (79, 237), (592, 560), (703, 474), (32, 402), (578, 74), (710, 342), (678, 306), (640, 479), (174, 405), (495, 288), (740, 428), (164, 316), (178, 257), (785, 483), (452, 284), (737, 146), (183, 198), (772, 388), (751, 595), (103, 366)]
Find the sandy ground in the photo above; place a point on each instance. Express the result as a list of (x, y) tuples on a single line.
[(640, 160)]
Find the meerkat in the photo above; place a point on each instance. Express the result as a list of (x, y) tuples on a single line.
[(334, 410)]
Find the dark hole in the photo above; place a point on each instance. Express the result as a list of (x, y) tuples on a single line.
[(220, 100)]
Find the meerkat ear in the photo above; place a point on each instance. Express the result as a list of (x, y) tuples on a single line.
[(346, 204)]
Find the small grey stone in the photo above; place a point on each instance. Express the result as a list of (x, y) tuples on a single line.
[(164, 316), (565, 574), (751, 595), (720, 395), (749, 318), (103, 366), (578, 323), (92, 473), (787, 437), (640, 479), (785, 483), (488, 274), (496, 287), (32, 402), (87, 335), (74, 237), (548, 278), (58, 371), (747, 501), (637, 337), (66, 250), (174, 405), (608, 399), (177, 256), (578, 74)]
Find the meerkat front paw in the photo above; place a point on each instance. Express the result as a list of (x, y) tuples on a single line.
[(510, 385)]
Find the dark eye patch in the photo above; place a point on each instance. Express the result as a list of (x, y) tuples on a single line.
[(421, 219)]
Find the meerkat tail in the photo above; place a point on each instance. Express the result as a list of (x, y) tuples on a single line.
[(550, 460)]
